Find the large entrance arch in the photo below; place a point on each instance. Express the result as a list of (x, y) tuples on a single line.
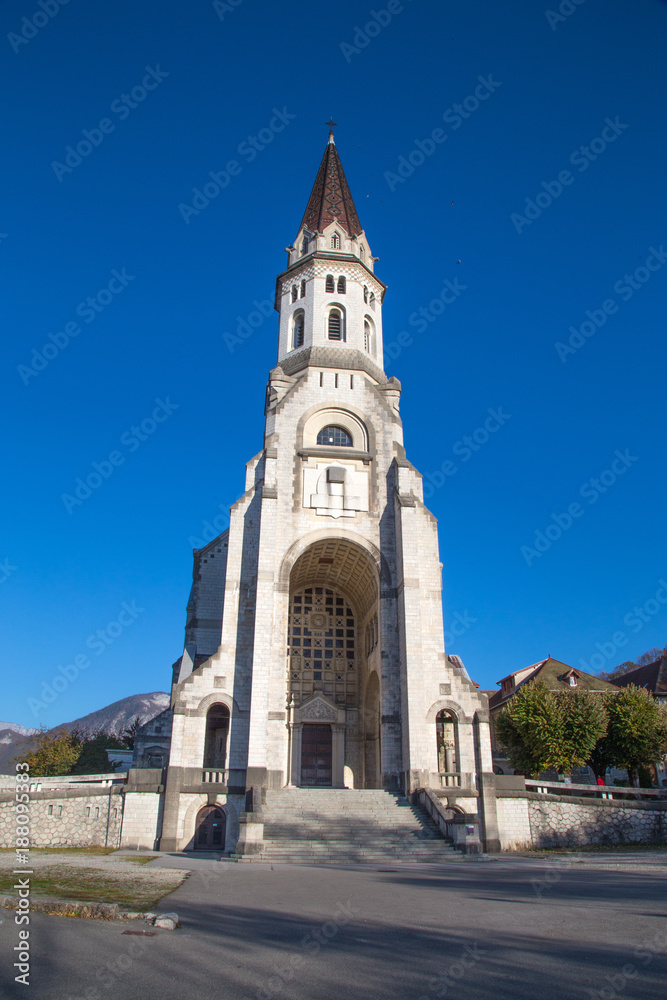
[(333, 601)]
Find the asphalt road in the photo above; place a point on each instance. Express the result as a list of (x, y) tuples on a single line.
[(473, 930)]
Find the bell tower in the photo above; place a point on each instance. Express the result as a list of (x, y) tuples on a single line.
[(314, 640), (328, 296)]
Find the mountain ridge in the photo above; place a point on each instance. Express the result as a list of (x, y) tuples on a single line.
[(113, 718)]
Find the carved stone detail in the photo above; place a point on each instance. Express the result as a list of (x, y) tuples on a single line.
[(318, 711)]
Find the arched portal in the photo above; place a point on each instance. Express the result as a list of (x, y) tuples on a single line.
[(333, 597), (217, 732), (210, 829)]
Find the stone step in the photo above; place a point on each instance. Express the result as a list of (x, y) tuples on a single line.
[(347, 826)]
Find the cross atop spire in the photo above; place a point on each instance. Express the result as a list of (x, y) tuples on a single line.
[(331, 124), (331, 199)]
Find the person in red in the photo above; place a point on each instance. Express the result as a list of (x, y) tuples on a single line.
[(600, 781)]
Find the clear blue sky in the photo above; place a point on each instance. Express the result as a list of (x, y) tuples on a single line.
[(159, 336)]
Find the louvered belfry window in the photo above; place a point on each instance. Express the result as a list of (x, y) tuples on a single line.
[(335, 325)]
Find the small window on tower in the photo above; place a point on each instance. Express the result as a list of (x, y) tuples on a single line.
[(335, 241), (298, 328), (330, 283), (341, 285), (372, 300), (304, 245), (362, 251), (294, 293), (303, 289), (365, 293), (367, 336), (335, 436), (335, 325)]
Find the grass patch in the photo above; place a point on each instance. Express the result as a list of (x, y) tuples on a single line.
[(65, 850), (139, 860), (598, 849), (90, 885)]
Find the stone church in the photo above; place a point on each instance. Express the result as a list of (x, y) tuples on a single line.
[(314, 653)]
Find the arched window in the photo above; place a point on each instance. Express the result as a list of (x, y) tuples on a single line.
[(372, 300), (362, 251), (303, 289), (299, 319), (367, 336), (447, 745), (335, 241), (217, 730), (365, 293), (304, 245), (294, 293), (335, 325), (322, 646), (341, 285), (330, 287), (335, 436)]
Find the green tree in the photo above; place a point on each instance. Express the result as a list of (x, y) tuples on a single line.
[(48, 754), (636, 735), (130, 731), (92, 757), (543, 730), (524, 728)]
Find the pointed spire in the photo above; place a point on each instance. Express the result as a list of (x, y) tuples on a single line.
[(331, 200)]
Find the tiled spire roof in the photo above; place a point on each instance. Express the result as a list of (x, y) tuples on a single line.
[(331, 200)]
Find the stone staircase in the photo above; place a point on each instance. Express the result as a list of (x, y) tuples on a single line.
[(348, 826)]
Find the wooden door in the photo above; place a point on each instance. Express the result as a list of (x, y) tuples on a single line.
[(210, 829), (316, 754)]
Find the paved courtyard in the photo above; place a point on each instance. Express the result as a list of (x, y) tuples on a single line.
[(563, 927)]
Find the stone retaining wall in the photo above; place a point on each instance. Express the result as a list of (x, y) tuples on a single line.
[(79, 816), (529, 820)]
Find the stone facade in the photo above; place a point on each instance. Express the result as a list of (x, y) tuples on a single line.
[(317, 616)]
